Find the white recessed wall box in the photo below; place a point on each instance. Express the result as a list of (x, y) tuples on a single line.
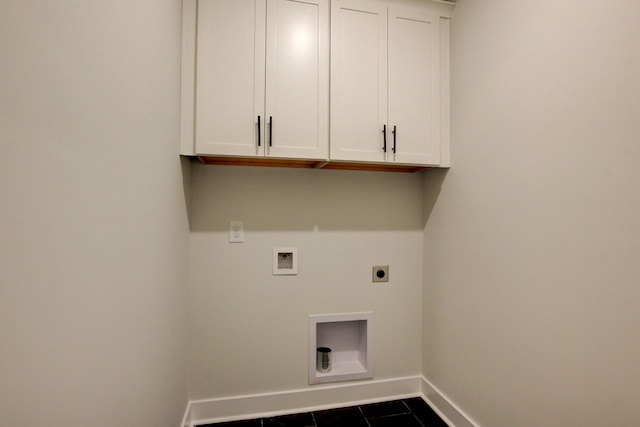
[(349, 339), (285, 261)]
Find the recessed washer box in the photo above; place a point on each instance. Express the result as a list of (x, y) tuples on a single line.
[(285, 261), (350, 338)]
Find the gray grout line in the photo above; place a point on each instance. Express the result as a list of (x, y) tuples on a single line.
[(411, 412), (365, 418)]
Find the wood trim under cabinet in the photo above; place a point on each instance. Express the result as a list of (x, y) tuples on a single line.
[(260, 161), (374, 167), (309, 164)]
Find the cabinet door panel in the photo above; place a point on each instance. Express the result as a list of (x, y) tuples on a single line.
[(230, 76), (297, 78), (358, 80), (414, 85)]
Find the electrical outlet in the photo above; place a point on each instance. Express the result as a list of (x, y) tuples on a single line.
[(236, 232), (380, 273)]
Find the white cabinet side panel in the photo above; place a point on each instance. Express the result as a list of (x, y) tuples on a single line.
[(188, 82), (445, 90)]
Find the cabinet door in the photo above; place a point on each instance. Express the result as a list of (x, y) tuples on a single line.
[(297, 79), (358, 80), (414, 86), (230, 60)]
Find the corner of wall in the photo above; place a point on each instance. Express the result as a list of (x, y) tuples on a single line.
[(444, 407)]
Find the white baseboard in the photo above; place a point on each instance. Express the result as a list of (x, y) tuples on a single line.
[(444, 407), (298, 401), (323, 397)]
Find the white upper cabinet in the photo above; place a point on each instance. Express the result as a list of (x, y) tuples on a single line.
[(261, 78), (256, 73), (386, 84)]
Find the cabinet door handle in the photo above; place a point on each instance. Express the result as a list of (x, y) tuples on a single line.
[(259, 131), (384, 138), (394, 139), (270, 131)]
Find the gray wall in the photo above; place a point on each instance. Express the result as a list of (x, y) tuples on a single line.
[(248, 328), (531, 248), (93, 246)]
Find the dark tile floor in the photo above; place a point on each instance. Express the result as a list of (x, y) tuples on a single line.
[(412, 412)]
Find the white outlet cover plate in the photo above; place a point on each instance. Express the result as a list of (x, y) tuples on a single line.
[(236, 232)]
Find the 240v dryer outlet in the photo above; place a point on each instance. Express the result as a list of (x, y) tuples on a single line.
[(380, 273)]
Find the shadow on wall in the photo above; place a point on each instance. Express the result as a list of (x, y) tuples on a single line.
[(185, 164), (433, 180), (273, 199)]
